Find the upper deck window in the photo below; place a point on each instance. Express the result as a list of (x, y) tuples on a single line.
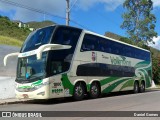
[(96, 43), (66, 36), (37, 38), (90, 43)]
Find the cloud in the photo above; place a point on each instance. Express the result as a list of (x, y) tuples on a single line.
[(27, 15), (156, 3), (113, 4), (157, 42), (55, 7), (109, 4)]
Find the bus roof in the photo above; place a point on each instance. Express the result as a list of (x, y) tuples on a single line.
[(56, 25)]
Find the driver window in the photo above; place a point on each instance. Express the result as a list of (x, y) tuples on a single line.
[(56, 67)]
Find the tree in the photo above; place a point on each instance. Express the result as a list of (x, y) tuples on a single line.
[(156, 69), (139, 21)]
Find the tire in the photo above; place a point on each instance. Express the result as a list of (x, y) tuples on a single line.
[(136, 87), (94, 90), (79, 91), (142, 87)]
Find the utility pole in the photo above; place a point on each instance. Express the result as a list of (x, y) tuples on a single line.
[(44, 17), (137, 22), (67, 13)]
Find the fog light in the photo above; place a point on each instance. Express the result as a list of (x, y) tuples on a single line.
[(41, 93)]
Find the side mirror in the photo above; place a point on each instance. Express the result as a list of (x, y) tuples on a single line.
[(9, 55)]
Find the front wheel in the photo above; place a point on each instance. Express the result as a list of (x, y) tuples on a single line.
[(94, 90), (79, 91)]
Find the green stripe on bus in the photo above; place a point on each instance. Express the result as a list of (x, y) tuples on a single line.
[(37, 83), (113, 86), (128, 84), (146, 77), (67, 84), (108, 80), (25, 87), (142, 64)]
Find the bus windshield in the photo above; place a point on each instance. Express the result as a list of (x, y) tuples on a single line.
[(37, 38), (30, 68)]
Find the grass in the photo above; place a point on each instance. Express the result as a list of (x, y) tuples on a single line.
[(10, 41), (158, 86)]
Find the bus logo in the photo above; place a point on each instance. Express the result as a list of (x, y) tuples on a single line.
[(120, 61), (93, 56)]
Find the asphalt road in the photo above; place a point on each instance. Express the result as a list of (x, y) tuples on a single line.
[(148, 101)]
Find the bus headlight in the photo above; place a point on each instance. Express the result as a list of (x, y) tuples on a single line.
[(41, 93), (37, 87), (46, 83)]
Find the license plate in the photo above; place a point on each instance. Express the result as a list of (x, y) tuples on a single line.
[(25, 96)]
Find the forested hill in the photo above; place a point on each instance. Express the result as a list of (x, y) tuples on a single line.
[(11, 29), (36, 25), (11, 34)]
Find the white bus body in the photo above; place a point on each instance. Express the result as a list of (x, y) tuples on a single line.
[(74, 62)]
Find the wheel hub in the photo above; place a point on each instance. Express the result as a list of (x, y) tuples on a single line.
[(94, 90), (79, 91)]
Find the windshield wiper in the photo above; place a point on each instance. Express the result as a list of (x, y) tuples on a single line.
[(36, 77), (38, 44)]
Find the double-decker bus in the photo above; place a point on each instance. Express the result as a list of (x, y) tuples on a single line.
[(62, 61)]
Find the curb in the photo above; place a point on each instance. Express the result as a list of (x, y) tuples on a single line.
[(13, 101), (155, 88)]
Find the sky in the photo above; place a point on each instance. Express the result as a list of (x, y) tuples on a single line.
[(99, 16)]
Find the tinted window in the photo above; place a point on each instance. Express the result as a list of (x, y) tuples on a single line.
[(103, 45), (96, 43), (30, 69), (66, 36), (99, 69), (37, 38), (90, 43), (59, 60)]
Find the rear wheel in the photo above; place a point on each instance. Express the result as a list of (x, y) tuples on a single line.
[(136, 87), (142, 87), (94, 90), (79, 91)]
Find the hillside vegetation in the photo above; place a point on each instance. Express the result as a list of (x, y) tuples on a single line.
[(11, 34), (10, 29), (10, 41), (36, 25)]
